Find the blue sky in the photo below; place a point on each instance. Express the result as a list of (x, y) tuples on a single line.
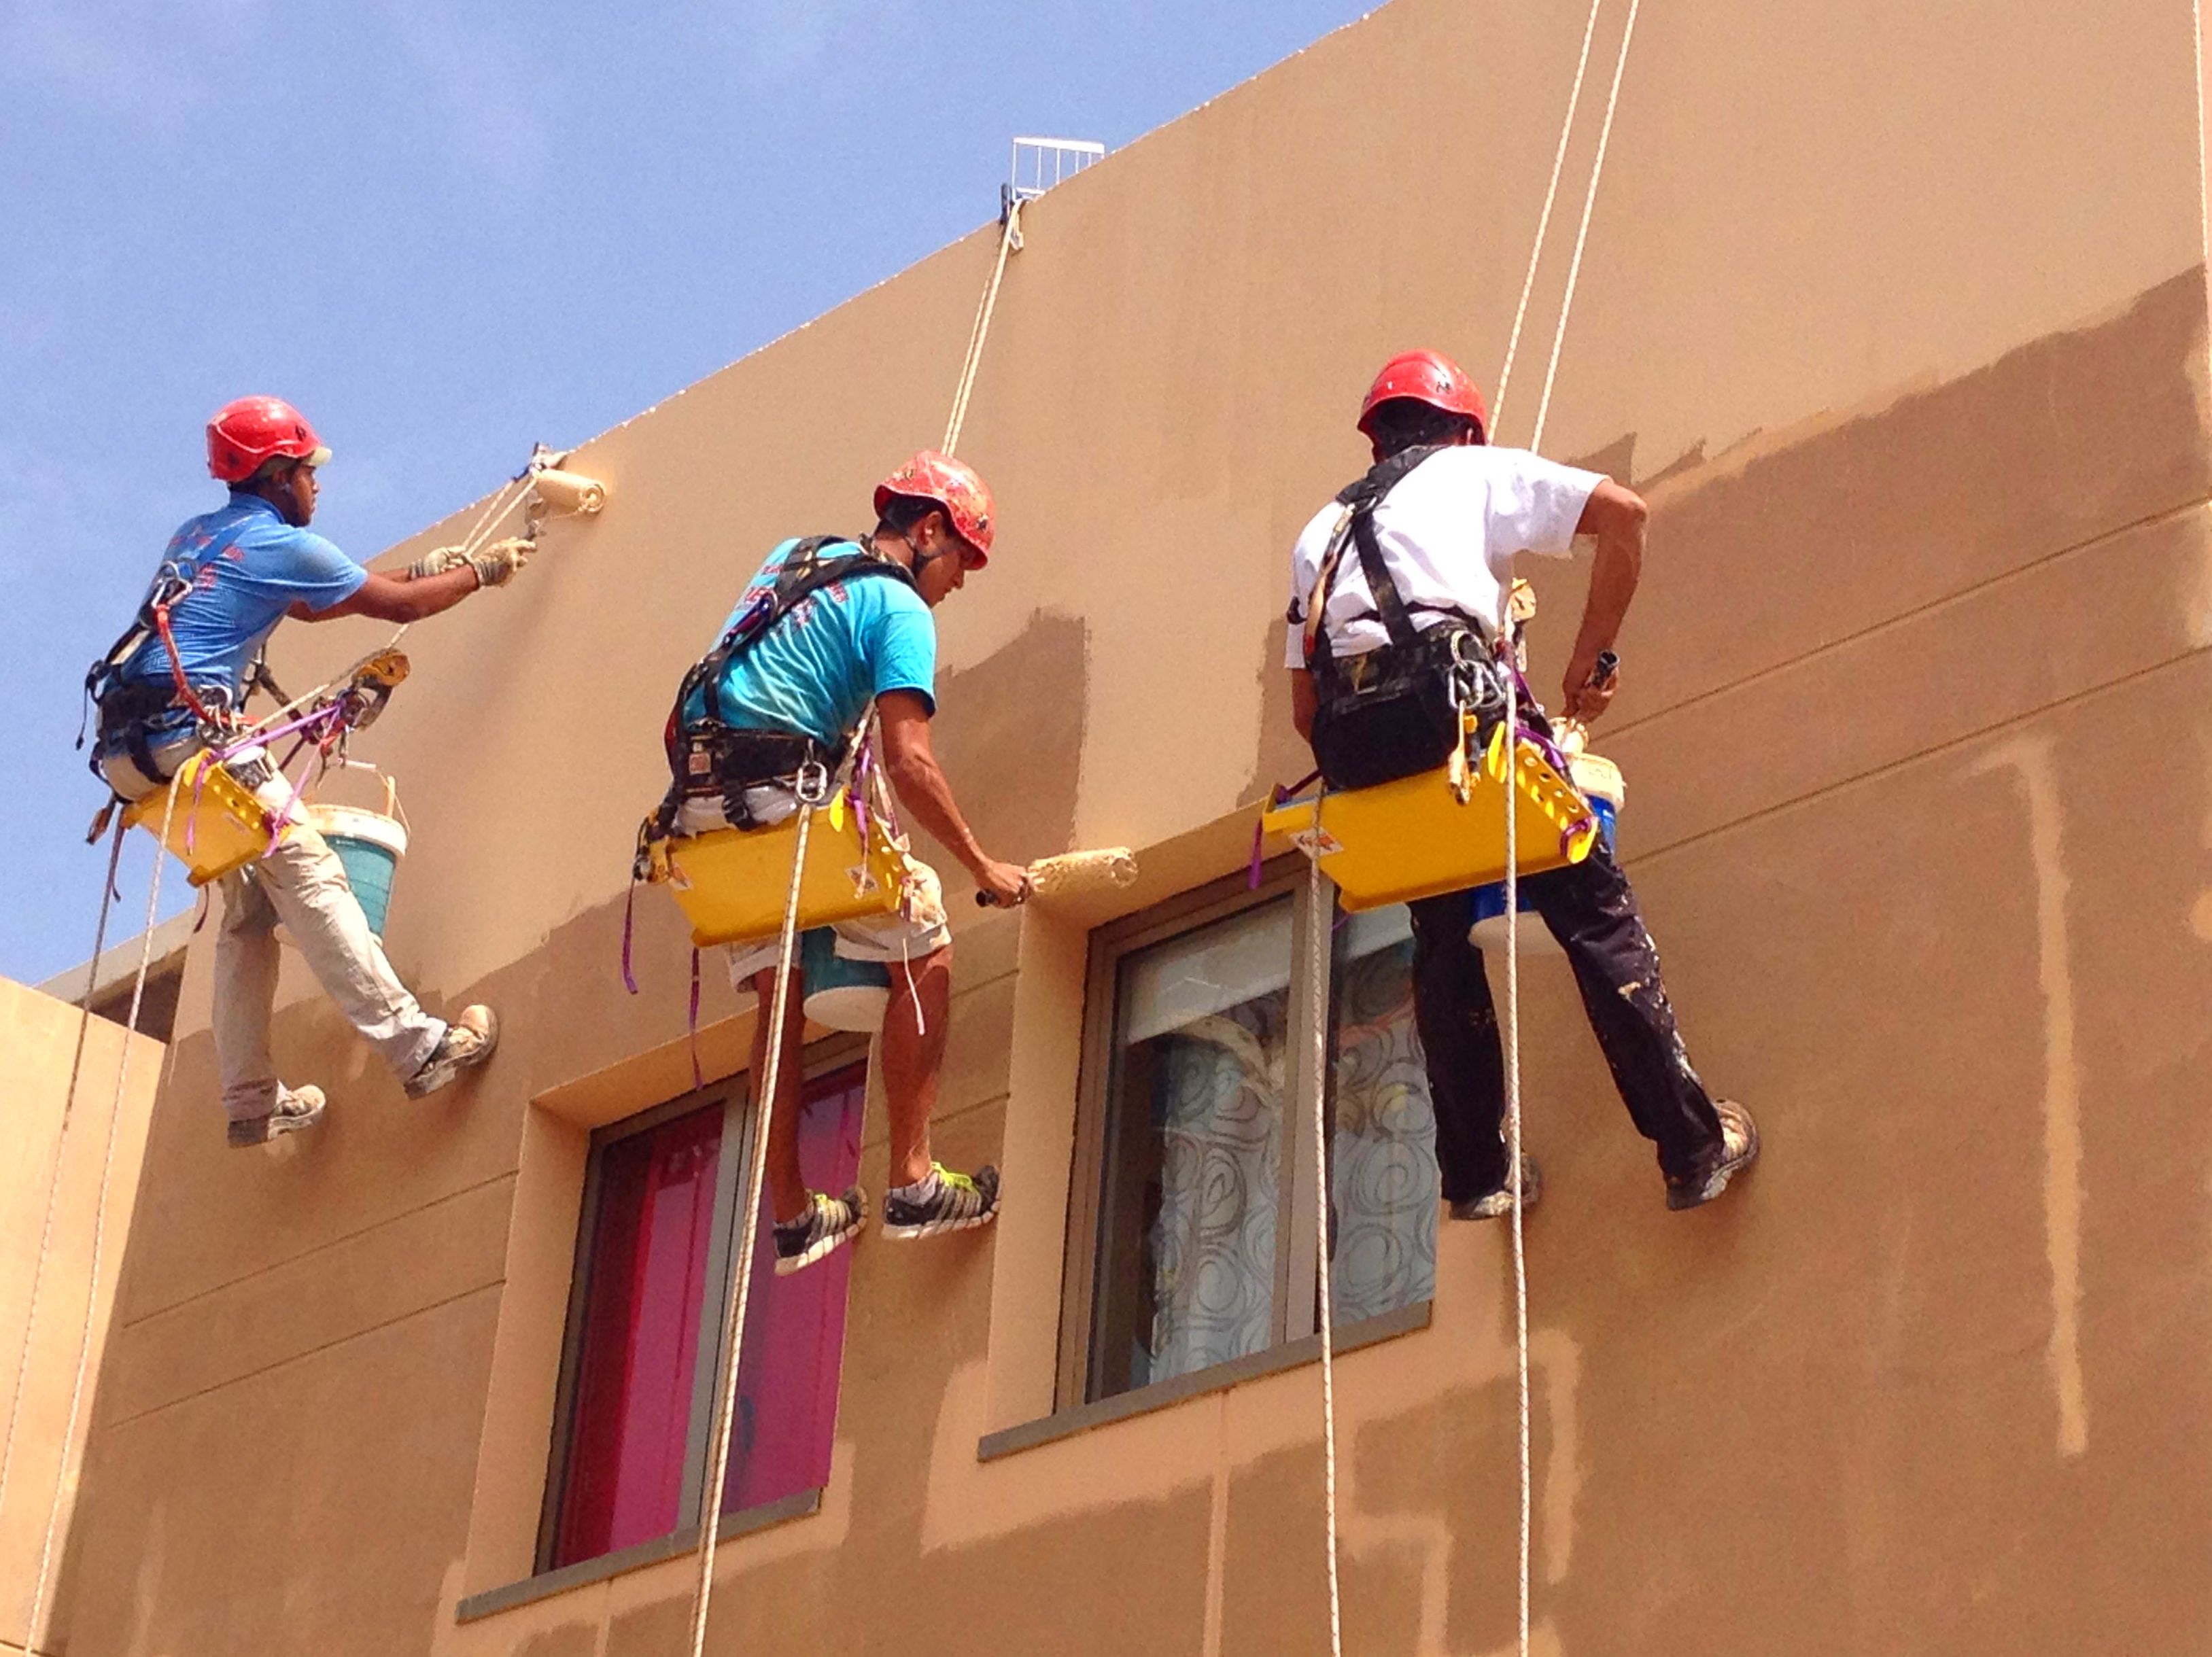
[(370, 209)]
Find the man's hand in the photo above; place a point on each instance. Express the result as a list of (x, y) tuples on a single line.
[(1588, 687), (436, 563), (494, 565), (1001, 883)]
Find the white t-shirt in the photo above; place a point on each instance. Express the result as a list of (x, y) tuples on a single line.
[(1448, 533)]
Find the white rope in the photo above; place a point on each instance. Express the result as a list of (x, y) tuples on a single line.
[(54, 1175), (31, 1632), (1321, 932), (1512, 1045), (980, 332), (748, 1226), (1582, 232), (1544, 220)]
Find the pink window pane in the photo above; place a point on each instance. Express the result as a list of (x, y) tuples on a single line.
[(640, 1344), (786, 1415)]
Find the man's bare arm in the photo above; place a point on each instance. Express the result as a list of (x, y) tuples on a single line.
[(921, 788), (398, 598), (1616, 516)]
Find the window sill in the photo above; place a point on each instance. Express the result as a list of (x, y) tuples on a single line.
[(586, 1572), (1215, 1378)]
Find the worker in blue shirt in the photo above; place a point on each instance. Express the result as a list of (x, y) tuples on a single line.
[(826, 628), (234, 574)]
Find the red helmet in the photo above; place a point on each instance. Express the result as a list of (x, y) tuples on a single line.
[(953, 485), (1429, 377), (252, 429)]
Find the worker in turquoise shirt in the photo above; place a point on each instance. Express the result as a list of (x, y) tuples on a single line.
[(227, 578), (828, 627)]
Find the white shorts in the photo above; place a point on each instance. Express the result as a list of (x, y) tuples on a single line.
[(884, 938)]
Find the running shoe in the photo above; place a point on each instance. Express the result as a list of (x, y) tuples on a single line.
[(957, 1202), (1739, 1150), (469, 1041), (1495, 1204), (295, 1109), (828, 1225)]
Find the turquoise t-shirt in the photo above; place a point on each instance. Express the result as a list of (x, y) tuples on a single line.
[(817, 668)]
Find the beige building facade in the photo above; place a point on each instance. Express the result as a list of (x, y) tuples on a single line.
[(1897, 315)]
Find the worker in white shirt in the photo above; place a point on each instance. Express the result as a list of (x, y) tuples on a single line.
[(1397, 585)]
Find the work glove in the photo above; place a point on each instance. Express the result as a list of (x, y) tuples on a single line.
[(496, 565), (436, 563)]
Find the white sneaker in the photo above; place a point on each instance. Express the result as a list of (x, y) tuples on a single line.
[(469, 1042), (295, 1109)]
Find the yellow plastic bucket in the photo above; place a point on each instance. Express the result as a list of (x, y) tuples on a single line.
[(731, 883), (218, 824), (1414, 838)]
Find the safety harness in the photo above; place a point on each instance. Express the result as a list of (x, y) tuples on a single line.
[(710, 758), (1396, 710), (133, 709)]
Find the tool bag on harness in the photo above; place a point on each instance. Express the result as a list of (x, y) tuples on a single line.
[(1396, 710), (709, 757)]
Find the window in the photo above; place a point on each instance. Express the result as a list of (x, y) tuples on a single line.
[(1193, 1233), (645, 1336)]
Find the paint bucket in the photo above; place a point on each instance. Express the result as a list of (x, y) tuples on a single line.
[(842, 994), (368, 844), (1599, 781)]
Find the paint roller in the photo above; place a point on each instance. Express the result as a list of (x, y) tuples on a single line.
[(570, 494), (1075, 873)]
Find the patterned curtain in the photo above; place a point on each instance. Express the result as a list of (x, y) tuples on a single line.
[(1384, 1177)]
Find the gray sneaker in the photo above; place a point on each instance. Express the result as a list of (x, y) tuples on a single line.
[(469, 1042), (961, 1203), (295, 1109), (828, 1225), (1739, 1150), (1496, 1204)]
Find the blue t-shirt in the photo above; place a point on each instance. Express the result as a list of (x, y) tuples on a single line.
[(248, 568), (815, 670)]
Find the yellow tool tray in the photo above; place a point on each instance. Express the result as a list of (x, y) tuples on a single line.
[(1414, 838), (216, 826), (732, 883)]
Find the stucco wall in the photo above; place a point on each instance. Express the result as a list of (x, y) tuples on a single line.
[(48, 1171), (1898, 313)]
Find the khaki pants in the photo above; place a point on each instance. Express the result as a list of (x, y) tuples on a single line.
[(302, 883)]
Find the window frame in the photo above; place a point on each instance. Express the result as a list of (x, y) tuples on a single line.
[(1294, 1316), (734, 1094)]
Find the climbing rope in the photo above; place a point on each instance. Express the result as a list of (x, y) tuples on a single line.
[(1009, 239), (1321, 934), (31, 1632), (1512, 1044), (1508, 660), (1582, 230), (1544, 220), (54, 1175), (747, 1228)]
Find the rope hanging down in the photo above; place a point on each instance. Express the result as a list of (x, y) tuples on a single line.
[(1320, 935), (54, 1171), (32, 1634), (1009, 239), (1510, 661), (748, 1230), (1544, 220)]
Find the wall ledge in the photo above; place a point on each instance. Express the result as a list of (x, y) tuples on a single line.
[(1215, 1378), (586, 1572)]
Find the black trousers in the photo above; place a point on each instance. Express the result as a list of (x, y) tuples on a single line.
[(1589, 909)]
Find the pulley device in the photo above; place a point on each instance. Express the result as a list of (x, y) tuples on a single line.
[(215, 822)]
